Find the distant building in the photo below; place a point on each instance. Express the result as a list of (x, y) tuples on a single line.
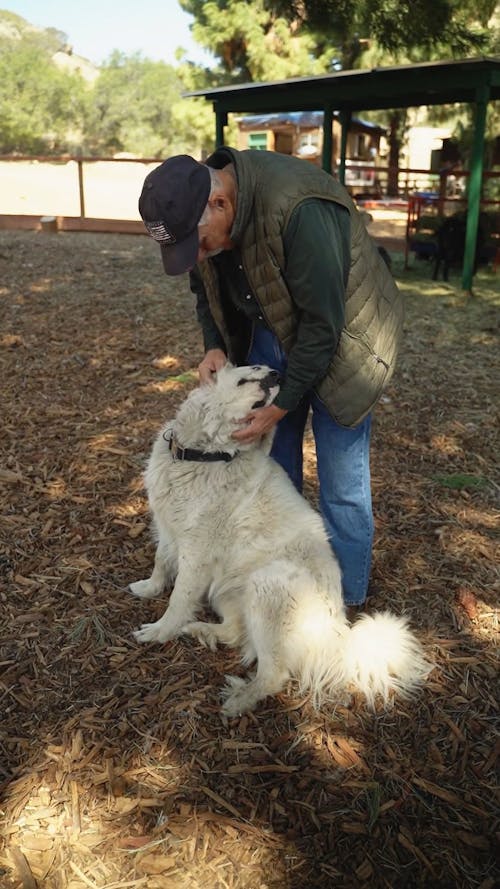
[(300, 133), (424, 147)]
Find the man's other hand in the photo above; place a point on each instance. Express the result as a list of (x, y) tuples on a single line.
[(212, 362), (258, 422)]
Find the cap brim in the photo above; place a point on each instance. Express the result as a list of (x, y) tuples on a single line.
[(180, 258)]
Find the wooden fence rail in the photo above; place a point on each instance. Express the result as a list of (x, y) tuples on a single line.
[(78, 204)]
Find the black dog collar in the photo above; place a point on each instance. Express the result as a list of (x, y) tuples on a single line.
[(189, 454)]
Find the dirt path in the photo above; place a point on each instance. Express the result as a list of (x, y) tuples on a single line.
[(111, 191)]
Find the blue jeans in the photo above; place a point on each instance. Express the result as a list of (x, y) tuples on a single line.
[(343, 459)]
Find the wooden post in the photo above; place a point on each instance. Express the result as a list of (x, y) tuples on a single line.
[(80, 188)]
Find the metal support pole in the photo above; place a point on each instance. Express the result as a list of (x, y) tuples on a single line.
[(220, 123), (345, 120), (326, 158), (475, 182)]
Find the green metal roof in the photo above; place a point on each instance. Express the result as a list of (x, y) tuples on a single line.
[(427, 83)]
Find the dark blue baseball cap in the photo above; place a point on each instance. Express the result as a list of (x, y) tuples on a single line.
[(172, 201)]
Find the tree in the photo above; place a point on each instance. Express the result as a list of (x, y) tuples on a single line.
[(276, 39), (41, 107), (136, 106), (253, 43), (397, 27)]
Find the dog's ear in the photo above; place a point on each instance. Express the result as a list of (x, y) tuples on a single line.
[(202, 421), (223, 371), (189, 420), (218, 374)]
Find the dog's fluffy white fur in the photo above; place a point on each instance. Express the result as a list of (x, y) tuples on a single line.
[(239, 533)]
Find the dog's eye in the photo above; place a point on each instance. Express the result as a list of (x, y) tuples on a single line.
[(242, 382)]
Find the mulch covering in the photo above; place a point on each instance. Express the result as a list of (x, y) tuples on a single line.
[(116, 768)]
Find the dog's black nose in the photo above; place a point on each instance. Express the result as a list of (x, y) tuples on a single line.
[(273, 378)]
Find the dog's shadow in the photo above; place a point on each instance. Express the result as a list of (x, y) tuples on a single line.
[(287, 782)]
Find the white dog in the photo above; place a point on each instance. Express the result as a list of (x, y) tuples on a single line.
[(231, 525)]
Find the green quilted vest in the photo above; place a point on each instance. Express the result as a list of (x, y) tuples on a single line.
[(269, 188)]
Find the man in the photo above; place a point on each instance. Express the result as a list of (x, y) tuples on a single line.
[(285, 274)]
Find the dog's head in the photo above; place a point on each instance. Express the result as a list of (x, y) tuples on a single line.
[(210, 414)]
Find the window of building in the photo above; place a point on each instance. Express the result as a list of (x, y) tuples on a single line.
[(359, 145), (257, 141)]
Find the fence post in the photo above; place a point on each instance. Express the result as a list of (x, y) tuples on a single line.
[(80, 188)]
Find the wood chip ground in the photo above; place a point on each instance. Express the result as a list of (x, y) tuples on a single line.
[(116, 768)]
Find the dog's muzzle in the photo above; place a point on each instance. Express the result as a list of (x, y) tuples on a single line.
[(272, 379)]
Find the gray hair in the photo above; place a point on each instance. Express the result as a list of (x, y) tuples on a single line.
[(215, 182)]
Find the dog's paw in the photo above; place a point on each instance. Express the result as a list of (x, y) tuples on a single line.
[(156, 632), (204, 633), (235, 697), (144, 589)]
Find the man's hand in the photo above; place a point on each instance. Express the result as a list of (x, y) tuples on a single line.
[(212, 362), (258, 422)]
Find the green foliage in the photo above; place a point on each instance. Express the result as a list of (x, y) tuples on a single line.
[(136, 106), (188, 377), (402, 25), (192, 128), (397, 27), (130, 107), (459, 481), (252, 43), (40, 106)]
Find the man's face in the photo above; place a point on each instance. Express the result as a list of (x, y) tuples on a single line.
[(214, 229)]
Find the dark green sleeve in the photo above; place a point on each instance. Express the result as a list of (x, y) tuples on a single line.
[(211, 336), (317, 254)]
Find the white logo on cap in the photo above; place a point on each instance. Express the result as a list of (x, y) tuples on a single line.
[(160, 232)]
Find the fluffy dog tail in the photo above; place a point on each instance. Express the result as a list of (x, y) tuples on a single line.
[(377, 656), (381, 656)]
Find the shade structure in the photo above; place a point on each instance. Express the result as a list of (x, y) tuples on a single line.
[(475, 81)]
